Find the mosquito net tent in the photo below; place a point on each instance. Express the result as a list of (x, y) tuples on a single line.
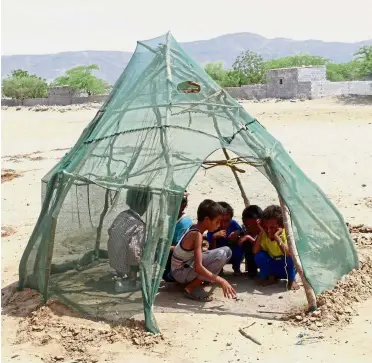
[(163, 118)]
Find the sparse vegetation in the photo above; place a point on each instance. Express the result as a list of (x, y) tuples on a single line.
[(20, 84), (81, 79)]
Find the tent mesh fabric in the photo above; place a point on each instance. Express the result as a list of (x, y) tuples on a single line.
[(163, 118)]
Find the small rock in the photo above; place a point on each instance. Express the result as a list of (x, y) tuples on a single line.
[(269, 323), (312, 319), (280, 297), (214, 340), (323, 172), (261, 306), (59, 357), (299, 318), (316, 313), (38, 328), (228, 344), (14, 356), (136, 341), (364, 185), (318, 324), (18, 108)]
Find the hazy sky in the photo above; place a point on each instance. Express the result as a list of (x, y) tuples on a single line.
[(49, 26)]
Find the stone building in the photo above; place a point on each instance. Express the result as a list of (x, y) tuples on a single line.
[(293, 82)]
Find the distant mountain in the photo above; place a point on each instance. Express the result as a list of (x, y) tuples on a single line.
[(224, 48)]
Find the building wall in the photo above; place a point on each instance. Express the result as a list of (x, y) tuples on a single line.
[(93, 98), (52, 101), (304, 90), (254, 91), (309, 74), (329, 89), (30, 102), (282, 83), (60, 96), (236, 92)]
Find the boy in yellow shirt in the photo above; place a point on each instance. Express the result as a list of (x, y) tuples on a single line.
[(271, 250)]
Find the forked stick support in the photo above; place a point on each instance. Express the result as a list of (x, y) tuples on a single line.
[(244, 196), (310, 295)]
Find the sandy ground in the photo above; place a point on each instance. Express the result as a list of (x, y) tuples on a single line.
[(331, 140)]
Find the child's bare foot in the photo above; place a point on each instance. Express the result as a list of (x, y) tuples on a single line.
[(270, 281), (292, 285)]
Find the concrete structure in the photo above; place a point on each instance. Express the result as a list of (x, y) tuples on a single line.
[(300, 82), (60, 96), (293, 82)]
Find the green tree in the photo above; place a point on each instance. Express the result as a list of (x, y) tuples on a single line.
[(216, 71), (298, 60), (252, 66), (234, 78), (20, 84), (81, 79), (225, 77), (339, 72), (363, 58)]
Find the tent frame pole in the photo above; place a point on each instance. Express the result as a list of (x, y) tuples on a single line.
[(48, 267), (310, 295), (244, 195)]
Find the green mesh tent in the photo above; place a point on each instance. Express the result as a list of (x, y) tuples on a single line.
[(163, 118)]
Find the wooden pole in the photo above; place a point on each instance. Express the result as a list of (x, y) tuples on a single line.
[(244, 196), (48, 267), (310, 295)]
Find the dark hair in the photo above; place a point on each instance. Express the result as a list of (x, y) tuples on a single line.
[(273, 212), (138, 198), (228, 208), (185, 200), (209, 208), (252, 212)]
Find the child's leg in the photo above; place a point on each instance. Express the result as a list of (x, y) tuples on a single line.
[(285, 269), (264, 263), (214, 260), (236, 258), (167, 276), (250, 263)]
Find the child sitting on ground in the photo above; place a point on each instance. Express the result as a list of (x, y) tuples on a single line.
[(227, 235), (251, 221), (271, 250), (127, 237), (183, 224), (191, 266)]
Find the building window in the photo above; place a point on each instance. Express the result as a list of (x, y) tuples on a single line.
[(280, 80)]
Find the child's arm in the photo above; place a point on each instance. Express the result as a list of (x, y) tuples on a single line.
[(228, 290), (283, 247), (214, 237), (257, 245), (245, 238)]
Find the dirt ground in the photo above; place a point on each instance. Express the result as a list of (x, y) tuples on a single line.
[(331, 140)]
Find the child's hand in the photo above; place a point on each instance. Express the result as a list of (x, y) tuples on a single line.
[(233, 236), (228, 290), (220, 234), (259, 225), (246, 238), (279, 233)]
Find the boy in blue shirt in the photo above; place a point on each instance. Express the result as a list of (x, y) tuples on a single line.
[(251, 218), (228, 235)]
